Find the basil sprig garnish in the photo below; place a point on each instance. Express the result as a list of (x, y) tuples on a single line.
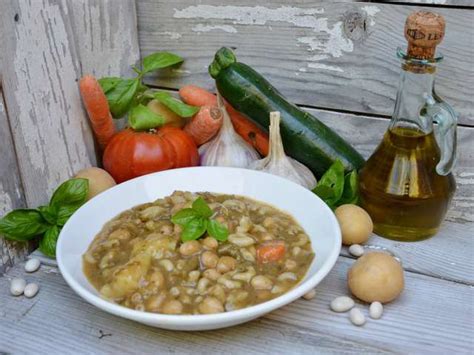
[(130, 96), (46, 222), (337, 189), (197, 220)]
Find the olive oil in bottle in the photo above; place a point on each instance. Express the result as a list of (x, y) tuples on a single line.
[(406, 185)]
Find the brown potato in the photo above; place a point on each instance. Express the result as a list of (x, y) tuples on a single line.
[(376, 276), (99, 180), (170, 117), (356, 224)]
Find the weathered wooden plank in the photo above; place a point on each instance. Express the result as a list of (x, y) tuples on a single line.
[(50, 130), (105, 34), (11, 192), (464, 3), (331, 55), (416, 322)]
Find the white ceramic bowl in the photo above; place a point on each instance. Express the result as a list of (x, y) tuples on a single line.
[(315, 217)]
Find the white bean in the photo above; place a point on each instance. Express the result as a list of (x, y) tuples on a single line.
[(241, 240), (356, 250), (17, 286), (31, 290), (261, 282), (357, 317), (376, 310), (287, 276), (310, 295), (342, 304), (32, 265)]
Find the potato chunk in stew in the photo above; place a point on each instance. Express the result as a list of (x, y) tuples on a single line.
[(138, 259)]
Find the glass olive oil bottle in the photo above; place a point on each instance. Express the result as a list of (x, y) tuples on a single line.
[(406, 185)]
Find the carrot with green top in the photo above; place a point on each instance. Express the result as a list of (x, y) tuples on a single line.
[(97, 107), (248, 130)]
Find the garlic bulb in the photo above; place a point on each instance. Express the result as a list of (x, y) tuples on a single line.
[(227, 148), (278, 163)]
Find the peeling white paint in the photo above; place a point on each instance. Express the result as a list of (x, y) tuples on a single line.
[(371, 11), (327, 41), (207, 28), (325, 67), (180, 71), (172, 35), (5, 201)]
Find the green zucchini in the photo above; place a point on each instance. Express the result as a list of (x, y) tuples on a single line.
[(305, 138)]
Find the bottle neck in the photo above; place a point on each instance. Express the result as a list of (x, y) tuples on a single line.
[(416, 83)]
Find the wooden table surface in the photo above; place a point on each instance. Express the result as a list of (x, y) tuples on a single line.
[(434, 314)]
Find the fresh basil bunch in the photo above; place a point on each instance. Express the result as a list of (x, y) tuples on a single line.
[(337, 189), (46, 221), (131, 95), (197, 220)]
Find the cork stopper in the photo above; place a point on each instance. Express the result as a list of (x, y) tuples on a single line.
[(424, 31)]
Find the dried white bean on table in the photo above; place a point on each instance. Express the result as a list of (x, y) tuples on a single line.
[(31, 290), (376, 310), (357, 317), (17, 286), (356, 250), (342, 304), (310, 295), (32, 265)]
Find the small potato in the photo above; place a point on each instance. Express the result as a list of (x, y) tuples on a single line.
[(99, 180), (376, 276), (171, 118), (356, 224)]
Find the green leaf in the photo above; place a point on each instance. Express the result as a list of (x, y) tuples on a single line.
[(141, 118), (351, 189), (108, 83), (217, 230), (23, 224), (194, 229), (202, 208), (48, 243), (121, 96), (160, 60), (184, 216), (49, 213), (332, 179), (175, 105), (68, 197)]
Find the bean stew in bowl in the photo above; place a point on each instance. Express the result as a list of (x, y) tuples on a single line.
[(198, 253)]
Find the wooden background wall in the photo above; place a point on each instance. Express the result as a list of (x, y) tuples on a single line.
[(335, 59)]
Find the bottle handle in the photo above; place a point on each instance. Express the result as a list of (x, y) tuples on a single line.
[(445, 133)]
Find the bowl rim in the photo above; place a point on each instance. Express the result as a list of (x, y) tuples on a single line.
[(196, 320)]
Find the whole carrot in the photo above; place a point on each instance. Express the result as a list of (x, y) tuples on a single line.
[(248, 130), (97, 109), (205, 124)]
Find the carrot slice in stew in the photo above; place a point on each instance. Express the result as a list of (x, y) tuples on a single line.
[(271, 251)]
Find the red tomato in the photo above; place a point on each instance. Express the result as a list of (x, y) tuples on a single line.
[(130, 154), (186, 152)]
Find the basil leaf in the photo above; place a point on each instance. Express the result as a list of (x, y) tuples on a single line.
[(202, 208), (48, 243), (333, 179), (141, 118), (194, 229), (351, 189), (175, 105), (49, 213), (68, 197), (184, 216), (121, 96), (108, 83), (217, 230), (23, 224), (72, 192), (324, 192), (160, 60)]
